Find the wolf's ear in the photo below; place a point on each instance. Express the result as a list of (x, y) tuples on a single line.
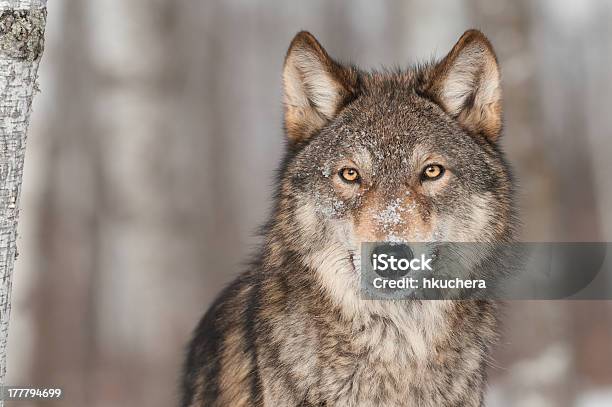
[(466, 83), (315, 87)]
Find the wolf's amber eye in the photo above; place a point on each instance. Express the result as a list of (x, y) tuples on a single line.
[(432, 172), (349, 174)]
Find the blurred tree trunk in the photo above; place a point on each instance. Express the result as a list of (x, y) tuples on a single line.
[(22, 24), (64, 333)]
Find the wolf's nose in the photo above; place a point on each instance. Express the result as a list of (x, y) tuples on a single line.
[(397, 251)]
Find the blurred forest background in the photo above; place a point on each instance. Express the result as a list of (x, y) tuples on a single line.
[(151, 157)]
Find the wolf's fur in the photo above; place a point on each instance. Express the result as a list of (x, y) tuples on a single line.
[(292, 330)]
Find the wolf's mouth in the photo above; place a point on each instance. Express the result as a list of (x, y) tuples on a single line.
[(353, 259)]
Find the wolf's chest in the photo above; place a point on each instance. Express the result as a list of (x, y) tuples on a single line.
[(422, 359), (380, 367), (418, 363)]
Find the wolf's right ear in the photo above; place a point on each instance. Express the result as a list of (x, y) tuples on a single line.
[(315, 87)]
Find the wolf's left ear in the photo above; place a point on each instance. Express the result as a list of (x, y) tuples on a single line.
[(315, 87), (466, 83)]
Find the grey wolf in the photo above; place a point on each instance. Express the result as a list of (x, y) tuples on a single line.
[(411, 155)]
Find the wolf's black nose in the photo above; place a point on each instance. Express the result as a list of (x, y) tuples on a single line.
[(384, 252)]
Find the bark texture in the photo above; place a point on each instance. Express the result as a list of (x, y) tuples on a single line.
[(22, 26)]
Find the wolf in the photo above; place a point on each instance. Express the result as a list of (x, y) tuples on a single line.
[(409, 155)]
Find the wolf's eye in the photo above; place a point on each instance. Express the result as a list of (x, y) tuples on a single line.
[(349, 175), (432, 172)]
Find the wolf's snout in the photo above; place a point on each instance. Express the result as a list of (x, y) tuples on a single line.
[(391, 250)]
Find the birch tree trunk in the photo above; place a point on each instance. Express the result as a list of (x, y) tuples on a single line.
[(22, 24)]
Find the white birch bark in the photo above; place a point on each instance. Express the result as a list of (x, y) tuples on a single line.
[(22, 24)]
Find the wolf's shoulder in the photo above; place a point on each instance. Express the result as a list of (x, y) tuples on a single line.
[(225, 329)]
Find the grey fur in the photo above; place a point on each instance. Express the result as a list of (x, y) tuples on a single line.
[(292, 330)]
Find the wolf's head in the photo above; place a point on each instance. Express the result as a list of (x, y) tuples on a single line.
[(407, 155)]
